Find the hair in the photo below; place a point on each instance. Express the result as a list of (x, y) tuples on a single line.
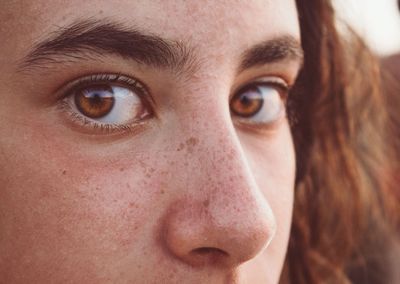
[(345, 199)]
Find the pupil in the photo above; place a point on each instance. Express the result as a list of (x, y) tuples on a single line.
[(95, 99), (245, 100)]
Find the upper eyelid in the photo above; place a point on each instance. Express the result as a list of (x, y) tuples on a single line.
[(87, 80), (275, 81), (121, 79), (113, 78)]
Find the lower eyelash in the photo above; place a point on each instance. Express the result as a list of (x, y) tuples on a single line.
[(100, 127)]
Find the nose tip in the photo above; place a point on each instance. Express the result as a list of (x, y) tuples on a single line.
[(200, 237), (220, 219)]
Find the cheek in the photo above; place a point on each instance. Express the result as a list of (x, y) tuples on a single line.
[(57, 199), (272, 161), (273, 165)]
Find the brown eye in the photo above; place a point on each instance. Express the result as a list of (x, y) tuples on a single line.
[(111, 104), (247, 103), (259, 103), (96, 101)]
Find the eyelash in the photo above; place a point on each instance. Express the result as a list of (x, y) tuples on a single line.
[(141, 90), (277, 83)]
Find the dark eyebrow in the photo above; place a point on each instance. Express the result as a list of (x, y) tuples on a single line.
[(83, 39), (273, 50)]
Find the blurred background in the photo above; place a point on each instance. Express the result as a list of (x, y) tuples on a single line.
[(378, 21)]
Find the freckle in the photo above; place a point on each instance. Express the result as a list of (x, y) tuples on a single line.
[(181, 147), (121, 169), (162, 191), (192, 141), (142, 164), (64, 172)]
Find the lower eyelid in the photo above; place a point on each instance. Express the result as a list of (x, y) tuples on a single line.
[(252, 123), (84, 125), (262, 129)]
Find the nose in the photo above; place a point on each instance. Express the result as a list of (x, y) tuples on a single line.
[(223, 218)]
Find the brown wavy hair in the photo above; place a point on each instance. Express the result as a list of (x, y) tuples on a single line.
[(345, 204)]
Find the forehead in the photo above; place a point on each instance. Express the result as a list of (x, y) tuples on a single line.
[(217, 26)]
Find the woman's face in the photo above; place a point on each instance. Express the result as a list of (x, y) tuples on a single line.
[(146, 141)]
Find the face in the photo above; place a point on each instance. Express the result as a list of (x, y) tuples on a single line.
[(146, 141)]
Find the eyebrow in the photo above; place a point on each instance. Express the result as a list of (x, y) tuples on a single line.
[(274, 50), (84, 39)]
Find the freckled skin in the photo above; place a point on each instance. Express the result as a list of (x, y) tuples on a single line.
[(144, 208)]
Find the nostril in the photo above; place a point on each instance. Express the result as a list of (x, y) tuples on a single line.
[(208, 251), (208, 256), (209, 237)]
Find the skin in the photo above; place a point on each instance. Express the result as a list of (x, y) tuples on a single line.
[(193, 195)]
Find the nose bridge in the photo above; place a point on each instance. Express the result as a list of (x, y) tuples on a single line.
[(228, 176), (234, 200), (223, 212), (219, 164)]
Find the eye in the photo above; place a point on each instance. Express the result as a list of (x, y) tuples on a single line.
[(107, 102), (260, 103)]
